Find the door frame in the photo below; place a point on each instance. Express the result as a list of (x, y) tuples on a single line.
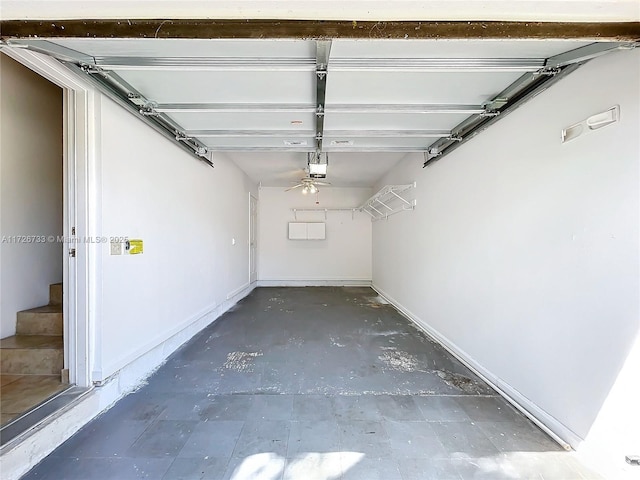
[(82, 202)]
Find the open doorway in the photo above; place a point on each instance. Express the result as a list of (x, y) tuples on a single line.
[(32, 262)]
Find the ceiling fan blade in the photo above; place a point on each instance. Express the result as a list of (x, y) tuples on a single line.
[(322, 183), (296, 186)]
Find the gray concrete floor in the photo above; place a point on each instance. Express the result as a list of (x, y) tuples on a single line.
[(312, 383)]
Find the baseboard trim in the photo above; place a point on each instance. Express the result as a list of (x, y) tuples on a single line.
[(315, 283), (19, 457), (564, 436), (239, 290)]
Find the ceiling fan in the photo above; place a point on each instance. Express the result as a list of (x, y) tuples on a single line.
[(309, 185)]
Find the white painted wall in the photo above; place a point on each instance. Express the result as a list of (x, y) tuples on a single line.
[(524, 10), (30, 189), (522, 253), (345, 255), (144, 307), (187, 214)]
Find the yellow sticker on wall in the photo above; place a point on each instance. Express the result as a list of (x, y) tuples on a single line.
[(135, 247)]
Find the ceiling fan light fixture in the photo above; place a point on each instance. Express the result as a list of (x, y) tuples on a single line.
[(305, 190), (313, 188)]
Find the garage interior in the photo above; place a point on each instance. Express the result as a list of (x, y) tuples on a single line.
[(402, 264)]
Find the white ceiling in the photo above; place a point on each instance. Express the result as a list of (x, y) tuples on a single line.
[(256, 99), (280, 169)]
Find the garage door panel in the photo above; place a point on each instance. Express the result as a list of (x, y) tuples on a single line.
[(346, 144), (306, 144), (244, 121), (169, 86), (386, 121), (416, 87)]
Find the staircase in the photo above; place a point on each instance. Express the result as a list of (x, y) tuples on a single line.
[(32, 360)]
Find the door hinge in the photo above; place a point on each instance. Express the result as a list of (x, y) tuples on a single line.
[(72, 252), (73, 231)]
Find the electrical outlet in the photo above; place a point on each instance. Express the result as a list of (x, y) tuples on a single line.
[(116, 248)]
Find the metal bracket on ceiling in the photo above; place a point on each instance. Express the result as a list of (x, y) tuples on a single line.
[(548, 71), (149, 110), (182, 137), (431, 153), (454, 138), (323, 49), (495, 104), (202, 151), (91, 69), (490, 113), (137, 99)]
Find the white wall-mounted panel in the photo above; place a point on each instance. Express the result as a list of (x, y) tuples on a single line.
[(163, 47), (471, 88), (172, 86), (245, 121), (297, 231), (307, 230), (316, 231)]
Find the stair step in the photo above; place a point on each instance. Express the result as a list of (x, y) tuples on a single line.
[(55, 294), (45, 320), (31, 355), (23, 392)]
